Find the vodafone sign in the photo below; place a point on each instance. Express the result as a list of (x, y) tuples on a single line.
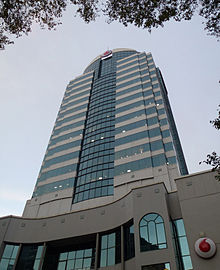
[(205, 247), (106, 55)]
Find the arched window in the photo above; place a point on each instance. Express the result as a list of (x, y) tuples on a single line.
[(152, 233)]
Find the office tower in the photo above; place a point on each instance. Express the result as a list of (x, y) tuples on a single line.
[(114, 132), (106, 198)]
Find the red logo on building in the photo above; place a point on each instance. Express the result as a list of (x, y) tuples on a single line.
[(106, 55), (205, 247)]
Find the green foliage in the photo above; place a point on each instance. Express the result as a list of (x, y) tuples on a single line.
[(216, 122), (213, 159), (17, 16)]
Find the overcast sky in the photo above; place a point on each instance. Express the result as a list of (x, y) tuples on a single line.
[(35, 70)]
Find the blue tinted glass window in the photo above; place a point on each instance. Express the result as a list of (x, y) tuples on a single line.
[(156, 94), (128, 83), (78, 88), (67, 127), (131, 126), (128, 90), (55, 186), (130, 116), (70, 118), (171, 160), (72, 103), (130, 138), (127, 70), (163, 122), (152, 121), (72, 110), (156, 145), (128, 76), (154, 132), (183, 254), (133, 166), (131, 97), (152, 232), (165, 133), (110, 249), (127, 65), (48, 163), (129, 106), (29, 257), (149, 101), (8, 257), (156, 85), (151, 110), (65, 137), (94, 176), (168, 146), (161, 111), (145, 86), (159, 160), (77, 259), (56, 172), (63, 147), (68, 97), (132, 151)]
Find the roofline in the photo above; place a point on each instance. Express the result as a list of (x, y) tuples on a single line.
[(114, 50)]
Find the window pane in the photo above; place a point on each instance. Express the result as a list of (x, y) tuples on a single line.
[(8, 251), (143, 222), (180, 227), (111, 256), (103, 258), (88, 253), (15, 251), (61, 266), (36, 264), (87, 262), (78, 263), (111, 240), (4, 264), (152, 233), (79, 253), (143, 233), (63, 256), (184, 246), (159, 219), (187, 263), (39, 252), (160, 233), (70, 265), (71, 255), (11, 262), (104, 241), (150, 217)]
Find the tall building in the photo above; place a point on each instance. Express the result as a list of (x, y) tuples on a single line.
[(113, 192), (114, 131)]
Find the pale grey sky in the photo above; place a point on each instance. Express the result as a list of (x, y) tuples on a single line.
[(35, 71)]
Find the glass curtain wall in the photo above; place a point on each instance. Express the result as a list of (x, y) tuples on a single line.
[(8, 258), (95, 173), (96, 170), (181, 245)]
